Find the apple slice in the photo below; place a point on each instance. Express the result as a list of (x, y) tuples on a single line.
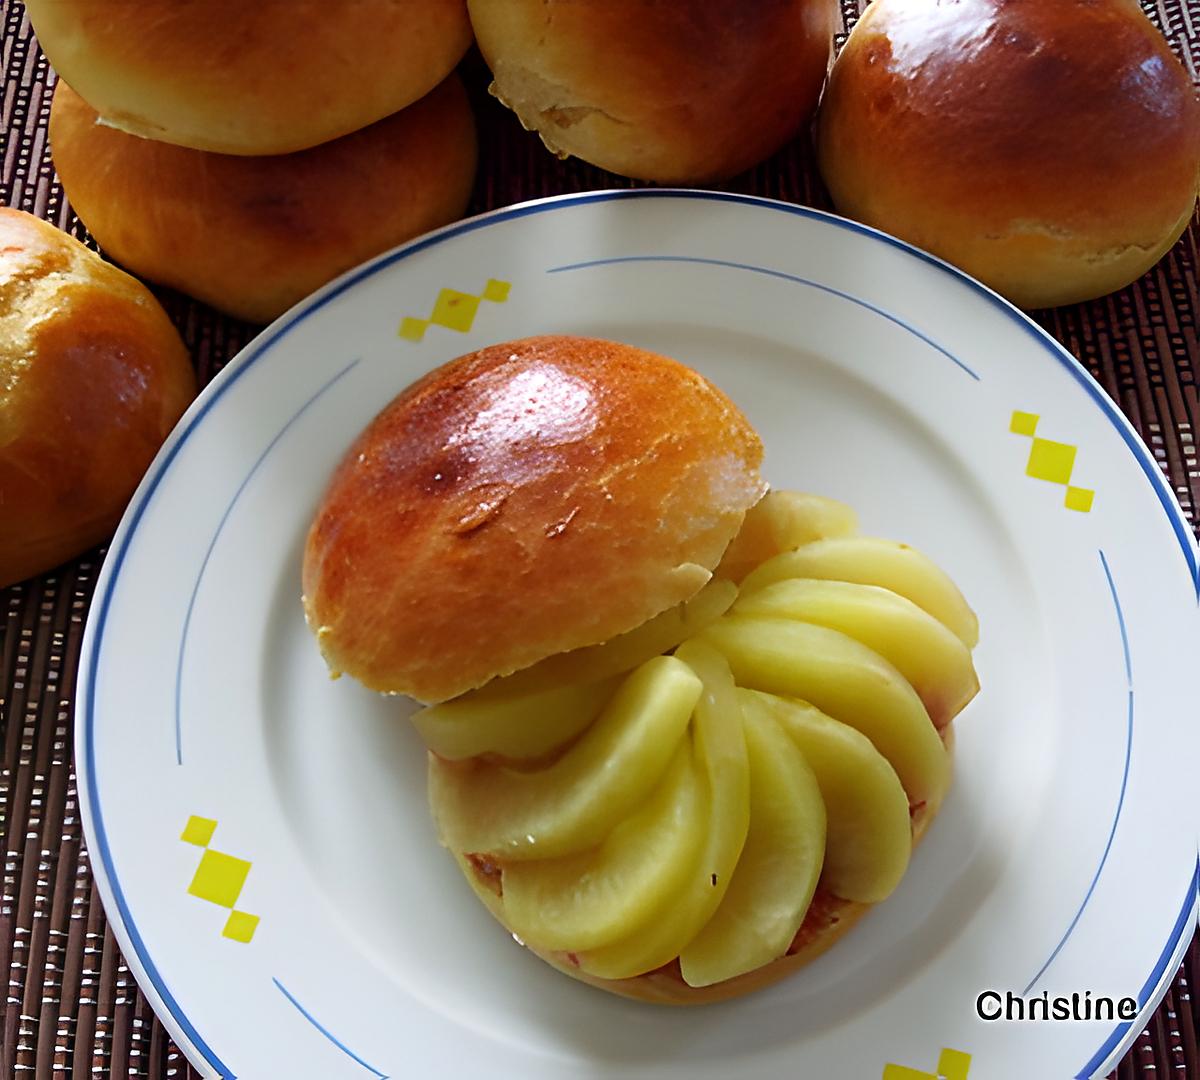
[(782, 521), (869, 831), (885, 563), (590, 899), (526, 726), (618, 655), (845, 679), (923, 650), (777, 874), (721, 752), (484, 808)]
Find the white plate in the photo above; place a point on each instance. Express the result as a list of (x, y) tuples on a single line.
[(1064, 860)]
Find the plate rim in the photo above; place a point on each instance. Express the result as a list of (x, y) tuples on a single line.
[(103, 868)]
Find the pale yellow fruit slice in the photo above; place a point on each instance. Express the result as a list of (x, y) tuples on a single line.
[(527, 726), (486, 808), (721, 753), (869, 561), (586, 900), (777, 874), (935, 662), (869, 830), (845, 679), (782, 521), (618, 655)]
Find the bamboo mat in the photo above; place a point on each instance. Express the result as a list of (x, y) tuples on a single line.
[(71, 1006)]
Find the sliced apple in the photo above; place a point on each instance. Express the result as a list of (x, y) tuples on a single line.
[(776, 876), (845, 679), (485, 808), (885, 563), (923, 650), (721, 752), (782, 521), (590, 899), (527, 726), (616, 656), (869, 831)]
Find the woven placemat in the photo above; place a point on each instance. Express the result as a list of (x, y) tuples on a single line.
[(72, 1007)]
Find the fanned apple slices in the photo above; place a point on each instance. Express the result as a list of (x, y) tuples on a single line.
[(627, 809)]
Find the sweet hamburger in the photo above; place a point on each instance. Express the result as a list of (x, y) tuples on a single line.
[(682, 732)]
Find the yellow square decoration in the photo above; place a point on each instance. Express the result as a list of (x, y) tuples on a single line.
[(455, 310), (1023, 423), (1051, 461), (1079, 499), (496, 291), (954, 1065), (240, 927), (198, 831), (219, 878), (413, 329)]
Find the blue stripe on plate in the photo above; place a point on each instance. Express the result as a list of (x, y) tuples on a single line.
[(325, 1031), (228, 377), (1124, 1034), (775, 274), (1124, 777), (187, 619)]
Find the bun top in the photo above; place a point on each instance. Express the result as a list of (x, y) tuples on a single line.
[(1051, 148), (521, 501), (250, 78)]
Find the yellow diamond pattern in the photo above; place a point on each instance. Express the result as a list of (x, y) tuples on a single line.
[(240, 926), (952, 1065), (198, 831), (219, 878), (454, 310), (1052, 461)]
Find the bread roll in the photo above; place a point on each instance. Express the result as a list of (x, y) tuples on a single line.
[(92, 378), (253, 235), (1050, 149), (520, 501), (250, 78), (673, 92)]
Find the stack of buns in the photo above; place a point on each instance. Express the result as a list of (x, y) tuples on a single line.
[(247, 154)]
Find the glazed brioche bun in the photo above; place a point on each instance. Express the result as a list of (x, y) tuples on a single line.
[(678, 93), (1052, 150), (518, 502), (253, 235), (828, 920), (250, 78), (92, 378)]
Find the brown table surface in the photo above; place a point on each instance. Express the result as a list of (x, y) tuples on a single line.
[(72, 1007)]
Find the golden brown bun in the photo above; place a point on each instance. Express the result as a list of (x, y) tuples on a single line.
[(92, 378), (527, 499), (1050, 149), (253, 235), (266, 77), (673, 92), (829, 918)]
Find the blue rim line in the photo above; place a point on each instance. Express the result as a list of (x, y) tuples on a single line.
[(228, 377), (1122, 1031), (1124, 778), (187, 619), (775, 274), (325, 1031)]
